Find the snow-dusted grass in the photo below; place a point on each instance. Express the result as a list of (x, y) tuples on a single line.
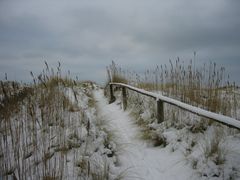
[(206, 145), (54, 132), (207, 86)]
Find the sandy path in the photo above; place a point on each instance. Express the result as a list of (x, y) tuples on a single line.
[(139, 159)]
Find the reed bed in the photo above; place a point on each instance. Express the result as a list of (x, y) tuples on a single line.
[(206, 86), (48, 129)]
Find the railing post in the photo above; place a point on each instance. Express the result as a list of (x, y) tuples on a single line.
[(160, 111), (124, 98), (112, 97)]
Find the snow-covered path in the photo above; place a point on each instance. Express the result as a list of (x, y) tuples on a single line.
[(137, 158)]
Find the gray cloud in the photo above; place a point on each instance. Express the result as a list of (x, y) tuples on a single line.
[(86, 35)]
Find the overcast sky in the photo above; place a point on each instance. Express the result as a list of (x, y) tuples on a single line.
[(85, 35)]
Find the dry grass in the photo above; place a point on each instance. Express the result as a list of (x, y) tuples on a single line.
[(33, 124), (214, 148), (50, 178), (115, 74), (207, 86)]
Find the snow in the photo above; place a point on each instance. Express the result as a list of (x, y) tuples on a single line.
[(57, 140), (201, 112), (89, 148), (138, 159)]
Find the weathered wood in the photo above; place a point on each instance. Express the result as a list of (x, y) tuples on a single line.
[(160, 111), (112, 97), (124, 98)]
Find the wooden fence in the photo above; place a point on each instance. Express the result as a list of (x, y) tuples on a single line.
[(160, 100)]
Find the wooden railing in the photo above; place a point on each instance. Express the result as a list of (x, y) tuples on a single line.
[(160, 100)]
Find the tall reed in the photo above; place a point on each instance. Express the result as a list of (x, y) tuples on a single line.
[(207, 86)]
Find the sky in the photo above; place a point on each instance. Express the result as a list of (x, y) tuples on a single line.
[(86, 35)]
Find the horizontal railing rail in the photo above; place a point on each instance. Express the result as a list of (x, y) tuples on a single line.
[(163, 99)]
